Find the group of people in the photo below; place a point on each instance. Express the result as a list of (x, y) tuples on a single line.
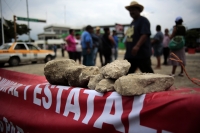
[(139, 45), (137, 41), (88, 44), (161, 42)]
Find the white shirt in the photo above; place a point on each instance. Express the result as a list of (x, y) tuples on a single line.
[(166, 41), (78, 46)]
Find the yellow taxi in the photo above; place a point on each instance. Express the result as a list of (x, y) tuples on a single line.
[(19, 52)]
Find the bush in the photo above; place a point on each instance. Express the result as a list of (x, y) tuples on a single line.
[(191, 38)]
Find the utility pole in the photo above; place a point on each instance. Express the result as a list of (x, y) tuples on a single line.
[(15, 28), (28, 21), (3, 41)]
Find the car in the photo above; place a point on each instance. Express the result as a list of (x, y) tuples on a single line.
[(19, 52)]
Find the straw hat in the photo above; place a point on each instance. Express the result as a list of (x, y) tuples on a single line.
[(135, 4), (97, 28)]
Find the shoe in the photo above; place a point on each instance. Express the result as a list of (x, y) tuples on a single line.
[(181, 74), (173, 75)]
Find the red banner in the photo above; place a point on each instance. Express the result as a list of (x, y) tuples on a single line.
[(29, 104)]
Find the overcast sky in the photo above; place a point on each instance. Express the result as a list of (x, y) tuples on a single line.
[(79, 13)]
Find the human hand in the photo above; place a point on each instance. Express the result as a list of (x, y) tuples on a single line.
[(135, 50), (88, 50)]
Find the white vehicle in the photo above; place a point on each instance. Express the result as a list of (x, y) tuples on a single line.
[(18, 52)]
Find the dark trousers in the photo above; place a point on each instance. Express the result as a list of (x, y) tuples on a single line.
[(78, 56), (107, 55), (63, 52), (166, 55), (101, 56), (143, 64), (72, 55), (88, 58)]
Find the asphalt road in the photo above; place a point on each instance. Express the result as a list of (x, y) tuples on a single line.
[(192, 68)]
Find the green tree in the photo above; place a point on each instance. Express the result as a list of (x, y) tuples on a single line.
[(9, 30), (191, 38)]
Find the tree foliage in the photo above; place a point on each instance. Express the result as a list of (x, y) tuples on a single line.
[(9, 30), (191, 38)]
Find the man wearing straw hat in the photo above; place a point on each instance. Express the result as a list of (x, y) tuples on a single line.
[(138, 46)]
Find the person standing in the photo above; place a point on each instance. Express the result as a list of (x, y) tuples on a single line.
[(87, 46), (166, 49), (108, 43), (100, 48), (78, 48), (158, 46), (115, 48), (138, 45), (55, 50), (71, 44), (95, 40), (178, 31), (63, 50)]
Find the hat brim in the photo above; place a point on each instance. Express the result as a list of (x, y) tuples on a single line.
[(138, 6)]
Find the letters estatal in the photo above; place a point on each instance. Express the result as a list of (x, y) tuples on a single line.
[(107, 117), (10, 128), (90, 104), (134, 124), (47, 92), (25, 91), (74, 108), (43, 96), (59, 94), (36, 91)]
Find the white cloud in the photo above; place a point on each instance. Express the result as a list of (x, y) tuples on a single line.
[(101, 12)]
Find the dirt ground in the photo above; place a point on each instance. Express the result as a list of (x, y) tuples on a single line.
[(192, 68)]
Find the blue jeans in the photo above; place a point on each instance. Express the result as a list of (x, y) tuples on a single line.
[(88, 59), (114, 54), (95, 54)]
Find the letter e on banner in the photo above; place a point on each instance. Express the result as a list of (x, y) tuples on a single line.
[(37, 90), (47, 103), (113, 119)]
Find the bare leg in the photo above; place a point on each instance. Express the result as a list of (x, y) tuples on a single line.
[(182, 69), (181, 73), (158, 62), (174, 69)]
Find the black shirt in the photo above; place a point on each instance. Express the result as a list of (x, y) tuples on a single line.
[(180, 30), (138, 28)]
